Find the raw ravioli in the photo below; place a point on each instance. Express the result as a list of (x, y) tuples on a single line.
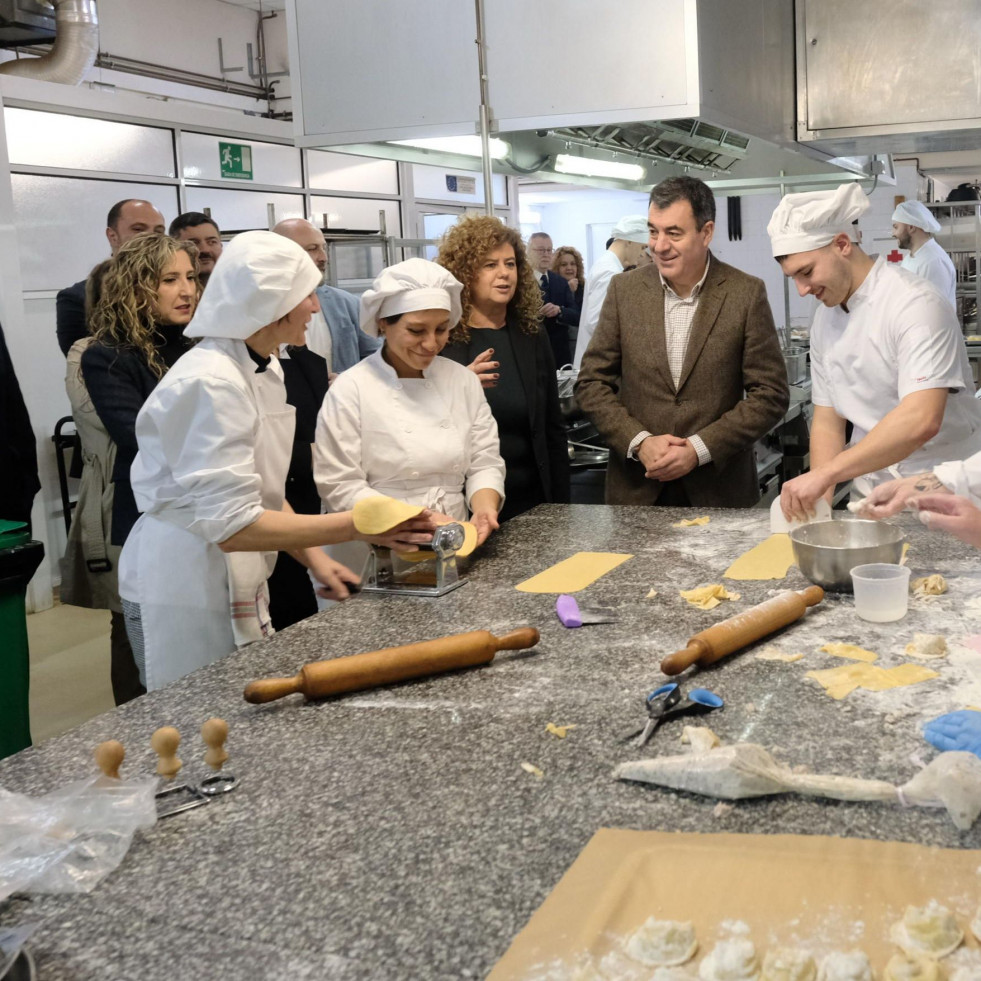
[(912, 967), (852, 965), (788, 964), (662, 943), (731, 960), (930, 930)]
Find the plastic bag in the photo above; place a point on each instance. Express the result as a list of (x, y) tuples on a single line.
[(69, 840), (566, 377)]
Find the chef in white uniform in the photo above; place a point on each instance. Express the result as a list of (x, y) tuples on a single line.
[(913, 226), (630, 238), (404, 422), (961, 477), (887, 354), (215, 438)]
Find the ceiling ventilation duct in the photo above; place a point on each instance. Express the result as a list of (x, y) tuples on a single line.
[(75, 47)]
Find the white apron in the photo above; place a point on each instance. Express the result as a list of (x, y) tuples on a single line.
[(197, 603)]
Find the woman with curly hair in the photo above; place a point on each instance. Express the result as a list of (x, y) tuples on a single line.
[(567, 262), (149, 293), (501, 303), (138, 305)]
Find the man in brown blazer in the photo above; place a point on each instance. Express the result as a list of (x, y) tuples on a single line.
[(684, 373)]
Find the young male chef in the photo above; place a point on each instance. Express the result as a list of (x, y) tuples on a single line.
[(887, 354)]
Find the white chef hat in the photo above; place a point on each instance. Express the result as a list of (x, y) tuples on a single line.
[(259, 278), (916, 214), (810, 220), (416, 284), (632, 228)]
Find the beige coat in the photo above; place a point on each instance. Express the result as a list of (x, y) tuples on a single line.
[(90, 572), (625, 383)]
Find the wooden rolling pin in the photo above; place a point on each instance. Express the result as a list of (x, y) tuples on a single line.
[(360, 671), (736, 632)]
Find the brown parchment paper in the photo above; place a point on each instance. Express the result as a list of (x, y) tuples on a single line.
[(817, 892)]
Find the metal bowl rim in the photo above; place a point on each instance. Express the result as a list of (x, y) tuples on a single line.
[(841, 548)]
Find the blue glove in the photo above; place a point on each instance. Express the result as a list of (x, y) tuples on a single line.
[(955, 730)]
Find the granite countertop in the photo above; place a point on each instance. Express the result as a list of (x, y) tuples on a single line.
[(394, 833)]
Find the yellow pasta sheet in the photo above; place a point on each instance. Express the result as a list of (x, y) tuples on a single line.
[(817, 890), (851, 651), (771, 559), (692, 522), (574, 573), (841, 682), (707, 597)]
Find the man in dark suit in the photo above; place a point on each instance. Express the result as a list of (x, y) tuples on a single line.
[(684, 373), (558, 304), (127, 219), (17, 446)]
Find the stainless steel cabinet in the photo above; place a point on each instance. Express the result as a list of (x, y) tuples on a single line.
[(960, 237)]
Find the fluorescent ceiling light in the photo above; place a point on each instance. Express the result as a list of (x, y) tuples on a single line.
[(467, 146), (566, 163)]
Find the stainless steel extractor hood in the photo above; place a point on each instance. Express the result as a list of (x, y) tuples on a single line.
[(698, 86), (896, 77)]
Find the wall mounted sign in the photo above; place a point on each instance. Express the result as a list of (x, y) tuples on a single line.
[(236, 160), (461, 185)]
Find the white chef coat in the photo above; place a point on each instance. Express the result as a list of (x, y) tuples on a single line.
[(962, 477), (215, 438), (430, 441), (597, 283), (898, 336), (934, 265)]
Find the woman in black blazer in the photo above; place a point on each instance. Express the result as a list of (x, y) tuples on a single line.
[(149, 292), (501, 303), (567, 262)]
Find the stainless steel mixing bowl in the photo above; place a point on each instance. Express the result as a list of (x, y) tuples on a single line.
[(827, 551)]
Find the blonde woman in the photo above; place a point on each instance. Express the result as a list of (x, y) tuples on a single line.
[(149, 293), (138, 305), (567, 262), (501, 303)]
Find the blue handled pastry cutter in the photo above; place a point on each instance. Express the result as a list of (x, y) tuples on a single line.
[(667, 701)]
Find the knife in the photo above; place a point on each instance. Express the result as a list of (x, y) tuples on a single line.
[(572, 615)]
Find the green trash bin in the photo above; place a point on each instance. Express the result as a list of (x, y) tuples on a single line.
[(19, 559)]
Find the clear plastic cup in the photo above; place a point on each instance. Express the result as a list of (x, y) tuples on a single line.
[(881, 591)]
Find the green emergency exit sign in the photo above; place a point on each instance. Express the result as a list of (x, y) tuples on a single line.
[(236, 160)]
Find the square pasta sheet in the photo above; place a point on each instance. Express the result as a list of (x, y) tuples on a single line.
[(816, 892)]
